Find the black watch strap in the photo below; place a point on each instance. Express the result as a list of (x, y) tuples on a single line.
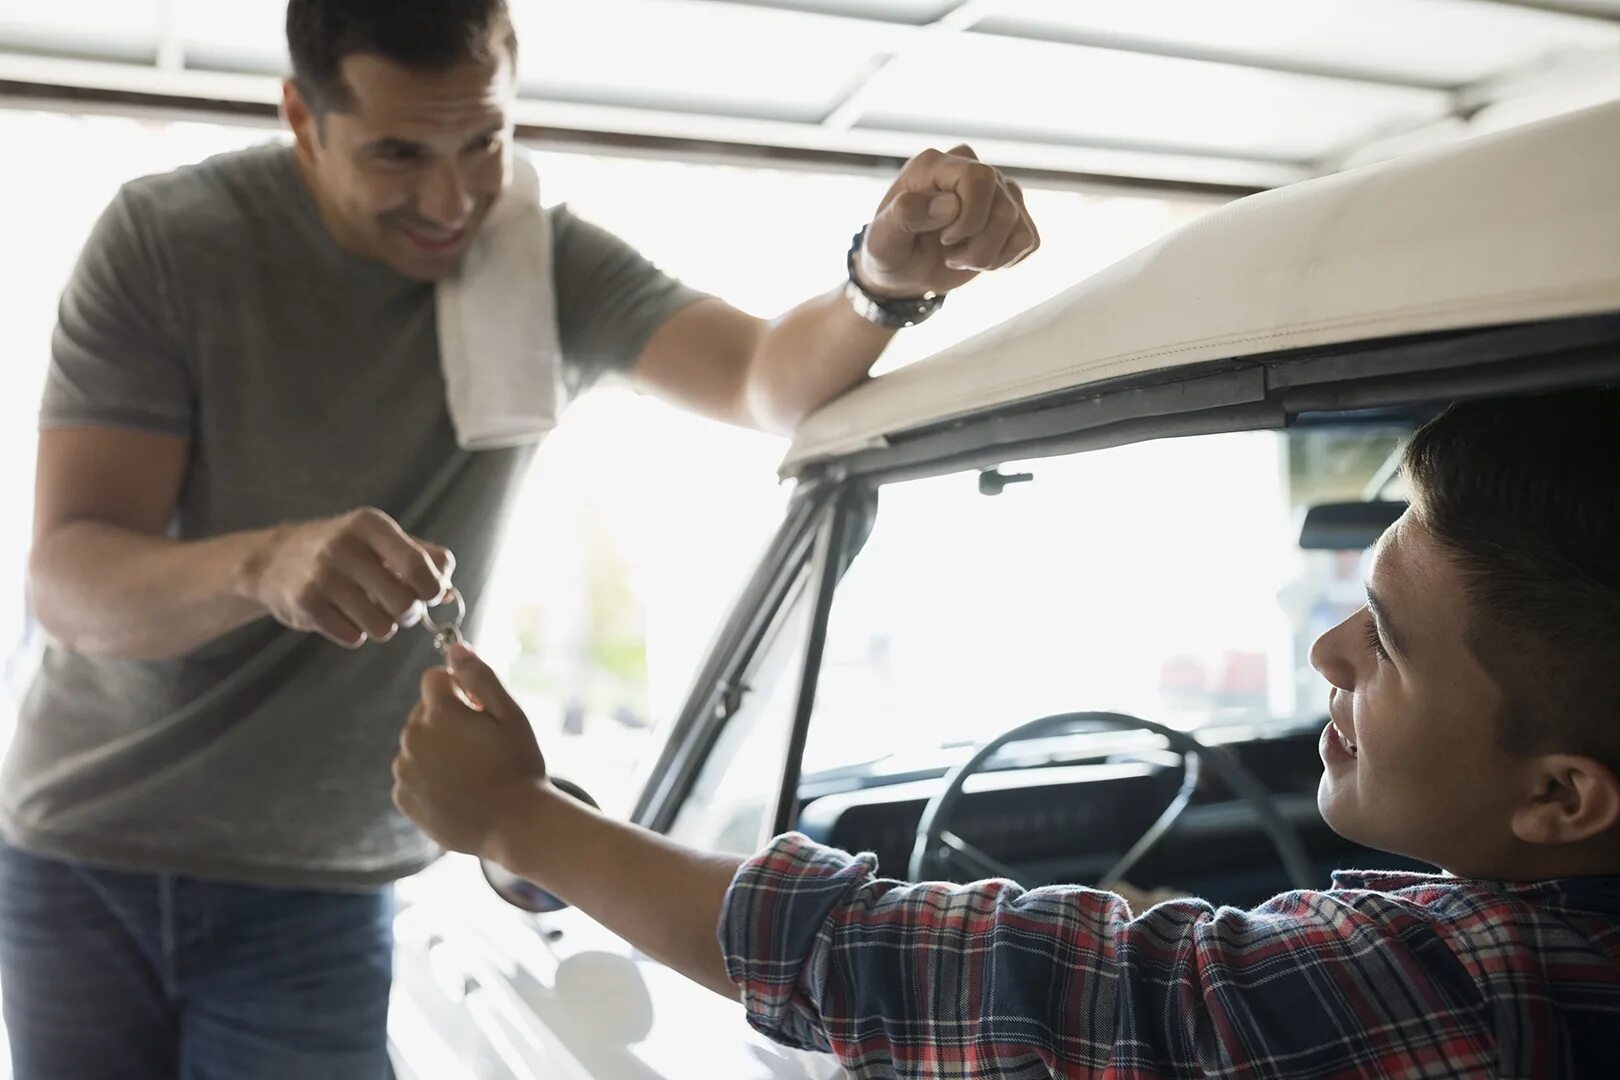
[(885, 311)]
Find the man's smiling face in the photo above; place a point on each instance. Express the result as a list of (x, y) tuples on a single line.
[(408, 174)]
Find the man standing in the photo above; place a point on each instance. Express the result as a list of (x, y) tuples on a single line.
[(249, 481)]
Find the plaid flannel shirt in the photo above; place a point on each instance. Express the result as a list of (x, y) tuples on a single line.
[(1384, 975)]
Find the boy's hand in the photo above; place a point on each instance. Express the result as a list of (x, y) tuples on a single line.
[(468, 763), (470, 773)]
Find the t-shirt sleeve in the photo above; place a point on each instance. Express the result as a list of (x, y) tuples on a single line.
[(116, 355), (610, 299)]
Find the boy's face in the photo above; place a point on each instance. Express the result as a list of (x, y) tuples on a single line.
[(1427, 777)]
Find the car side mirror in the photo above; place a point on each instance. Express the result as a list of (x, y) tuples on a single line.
[(520, 892)]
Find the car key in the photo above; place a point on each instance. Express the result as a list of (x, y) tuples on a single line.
[(447, 631)]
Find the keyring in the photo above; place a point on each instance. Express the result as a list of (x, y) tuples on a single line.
[(447, 633)]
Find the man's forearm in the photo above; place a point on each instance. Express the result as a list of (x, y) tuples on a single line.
[(661, 896), (107, 591), (808, 357)]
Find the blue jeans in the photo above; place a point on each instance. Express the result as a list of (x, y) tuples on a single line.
[(136, 976)]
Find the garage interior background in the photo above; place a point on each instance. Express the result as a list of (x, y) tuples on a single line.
[(695, 127)]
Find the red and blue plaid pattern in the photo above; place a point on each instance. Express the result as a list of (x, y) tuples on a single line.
[(1384, 975)]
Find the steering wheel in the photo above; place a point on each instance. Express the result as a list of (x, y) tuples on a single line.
[(936, 846)]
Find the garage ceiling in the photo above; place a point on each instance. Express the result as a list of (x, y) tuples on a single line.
[(1238, 94)]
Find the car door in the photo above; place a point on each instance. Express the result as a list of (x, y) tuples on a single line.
[(486, 990)]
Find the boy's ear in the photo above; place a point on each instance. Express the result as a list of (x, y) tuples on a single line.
[(1573, 798)]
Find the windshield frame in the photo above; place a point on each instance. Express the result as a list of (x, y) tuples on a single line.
[(1267, 391)]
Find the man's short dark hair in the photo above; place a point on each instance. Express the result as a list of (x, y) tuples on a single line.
[(427, 35), (1524, 493)]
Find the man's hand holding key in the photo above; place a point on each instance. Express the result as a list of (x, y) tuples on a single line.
[(352, 578)]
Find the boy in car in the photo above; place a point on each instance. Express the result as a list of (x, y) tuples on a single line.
[(1473, 723)]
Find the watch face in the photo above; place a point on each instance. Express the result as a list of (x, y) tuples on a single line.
[(893, 314)]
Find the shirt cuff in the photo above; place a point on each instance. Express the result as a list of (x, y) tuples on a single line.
[(775, 932)]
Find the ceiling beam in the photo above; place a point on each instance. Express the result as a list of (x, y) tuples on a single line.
[(592, 129), (1572, 8), (1543, 87), (171, 54), (849, 110), (1566, 72), (1019, 30), (984, 22)]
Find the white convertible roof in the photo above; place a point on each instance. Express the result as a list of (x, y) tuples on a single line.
[(1517, 226)]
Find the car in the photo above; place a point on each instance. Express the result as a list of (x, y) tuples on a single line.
[(1040, 605)]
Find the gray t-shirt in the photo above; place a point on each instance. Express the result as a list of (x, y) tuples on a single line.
[(211, 303)]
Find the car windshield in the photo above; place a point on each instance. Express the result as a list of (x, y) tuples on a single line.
[(1163, 579)]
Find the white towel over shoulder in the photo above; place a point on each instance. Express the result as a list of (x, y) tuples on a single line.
[(497, 316)]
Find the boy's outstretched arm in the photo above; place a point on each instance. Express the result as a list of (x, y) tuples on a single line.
[(930, 980), (474, 779)]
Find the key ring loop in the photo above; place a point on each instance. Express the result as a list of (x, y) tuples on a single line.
[(448, 632)]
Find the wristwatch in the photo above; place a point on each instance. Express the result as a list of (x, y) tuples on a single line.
[(886, 311)]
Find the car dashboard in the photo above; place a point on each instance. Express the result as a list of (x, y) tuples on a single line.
[(1068, 817)]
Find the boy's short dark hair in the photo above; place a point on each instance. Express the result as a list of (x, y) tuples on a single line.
[(429, 35), (1525, 495)]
